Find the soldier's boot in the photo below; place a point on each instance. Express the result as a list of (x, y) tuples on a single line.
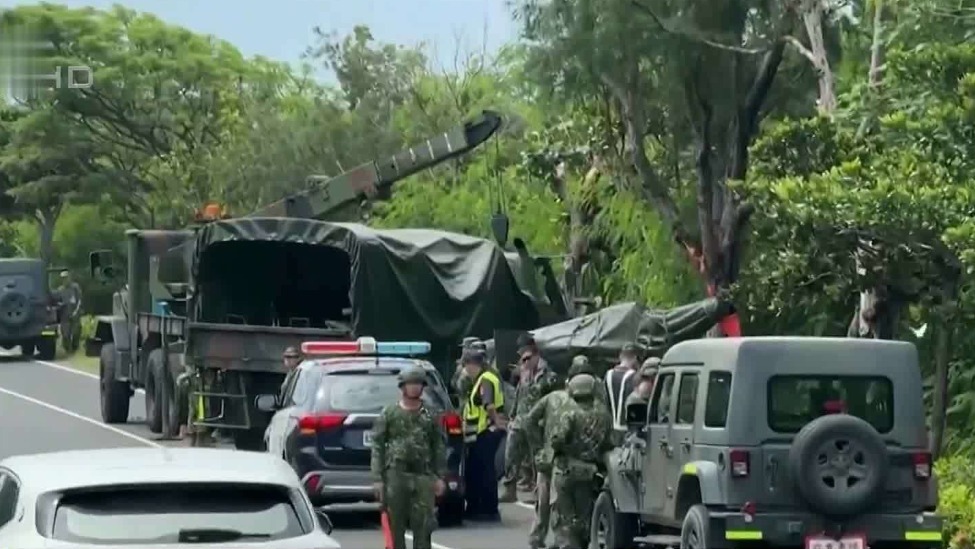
[(509, 492)]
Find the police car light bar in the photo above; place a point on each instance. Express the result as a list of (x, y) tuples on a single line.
[(365, 346)]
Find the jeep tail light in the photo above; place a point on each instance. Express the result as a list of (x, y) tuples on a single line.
[(309, 425), (740, 463), (452, 423), (922, 465)]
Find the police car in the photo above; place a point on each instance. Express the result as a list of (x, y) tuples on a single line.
[(323, 426)]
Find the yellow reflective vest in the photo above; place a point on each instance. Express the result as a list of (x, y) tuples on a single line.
[(476, 414)]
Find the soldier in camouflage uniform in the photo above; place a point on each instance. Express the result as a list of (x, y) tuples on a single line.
[(409, 461), (538, 424), (644, 388), (580, 438), (536, 380)]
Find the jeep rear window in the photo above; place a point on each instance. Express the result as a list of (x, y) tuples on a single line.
[(794, 401)]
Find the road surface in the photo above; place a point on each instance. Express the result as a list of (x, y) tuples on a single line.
[(46, 407)]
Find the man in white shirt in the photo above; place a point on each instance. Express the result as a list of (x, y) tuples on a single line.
[(620, 382)]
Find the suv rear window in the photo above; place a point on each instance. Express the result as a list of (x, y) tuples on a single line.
[(363, 392), (794, 401), (176, 513)]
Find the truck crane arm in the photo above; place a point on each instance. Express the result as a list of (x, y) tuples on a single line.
[(366, 181)]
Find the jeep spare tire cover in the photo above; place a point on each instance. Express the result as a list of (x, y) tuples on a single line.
[(14, 308), (839, 464)]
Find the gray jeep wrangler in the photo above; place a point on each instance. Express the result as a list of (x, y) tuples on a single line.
[(818, 443), (28, 312)]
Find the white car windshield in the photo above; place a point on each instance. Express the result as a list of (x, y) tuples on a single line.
[(177, 513)]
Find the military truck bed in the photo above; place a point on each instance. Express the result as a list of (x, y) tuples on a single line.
[(248, 347)]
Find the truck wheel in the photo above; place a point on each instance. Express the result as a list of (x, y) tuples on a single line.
[(47, 348), (114, 394), (696, 528), (840, 464), (154, 391), (610, 529), (27, 349), (175, 411), (251, 440)]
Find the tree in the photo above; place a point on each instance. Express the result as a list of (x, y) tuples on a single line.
[(46, 163), (712, 64)]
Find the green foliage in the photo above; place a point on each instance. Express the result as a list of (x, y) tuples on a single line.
[(957, 500)]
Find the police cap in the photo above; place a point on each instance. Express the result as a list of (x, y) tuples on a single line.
[(412, 375), (582, 387), (466, 342), (473, 356)]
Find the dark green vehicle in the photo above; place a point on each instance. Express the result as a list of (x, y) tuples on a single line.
[(28, 311), (776, 441), (216, 305)]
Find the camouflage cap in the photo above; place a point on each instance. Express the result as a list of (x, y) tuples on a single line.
[(473, 356), (582, 387), (292, 352), (412, 375), (580, 365), (478, 345), (649, 368)]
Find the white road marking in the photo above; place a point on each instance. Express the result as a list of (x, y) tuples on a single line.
[(75, 371), (80, 417), (116, 430)]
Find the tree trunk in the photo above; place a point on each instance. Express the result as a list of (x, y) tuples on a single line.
[(812, 19), (942, 352), (46, 221)]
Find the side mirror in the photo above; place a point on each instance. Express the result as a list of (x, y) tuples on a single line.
[(266, 403), (324, 521), (100, 265), (636, 415)]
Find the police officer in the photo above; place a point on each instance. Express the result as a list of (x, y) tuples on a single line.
[(580, 437), (409, 461), (460, 382), (483, 431)]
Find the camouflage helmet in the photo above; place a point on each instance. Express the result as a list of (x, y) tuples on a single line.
[(582, 387), (412, 375), (649, 368), (580, 365)]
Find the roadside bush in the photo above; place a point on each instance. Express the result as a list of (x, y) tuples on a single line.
[(956, 478)]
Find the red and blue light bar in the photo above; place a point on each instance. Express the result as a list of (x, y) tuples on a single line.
[(365, 346)]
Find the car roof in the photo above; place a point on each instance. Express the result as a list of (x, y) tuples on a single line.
[(338, 362), (105, 467), (753, 352)]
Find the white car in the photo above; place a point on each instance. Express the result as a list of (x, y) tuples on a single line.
[(143, 497)]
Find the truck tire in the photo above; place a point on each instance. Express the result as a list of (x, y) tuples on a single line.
[(154, 367), (114, 394), (47, 347), (610, 529), (839, 463), (695, 531), (174, 413)]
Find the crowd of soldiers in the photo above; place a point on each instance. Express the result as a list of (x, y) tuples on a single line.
[(556, 434)]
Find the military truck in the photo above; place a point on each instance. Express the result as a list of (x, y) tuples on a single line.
[(28, 310), (221, 301)]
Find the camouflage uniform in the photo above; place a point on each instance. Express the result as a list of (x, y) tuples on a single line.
[(538, 426), (579, 440), (517, 452), (647, 372), (408, 456)]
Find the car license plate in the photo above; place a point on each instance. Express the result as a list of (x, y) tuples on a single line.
[(367, 442), (821, 542)]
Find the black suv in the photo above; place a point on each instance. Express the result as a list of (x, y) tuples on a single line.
[(323, 427), (776, 441), (28, 312)]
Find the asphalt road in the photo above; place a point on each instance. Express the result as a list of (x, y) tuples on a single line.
[(46, 407)]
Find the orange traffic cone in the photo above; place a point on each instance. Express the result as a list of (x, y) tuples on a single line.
[(387, 533)]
